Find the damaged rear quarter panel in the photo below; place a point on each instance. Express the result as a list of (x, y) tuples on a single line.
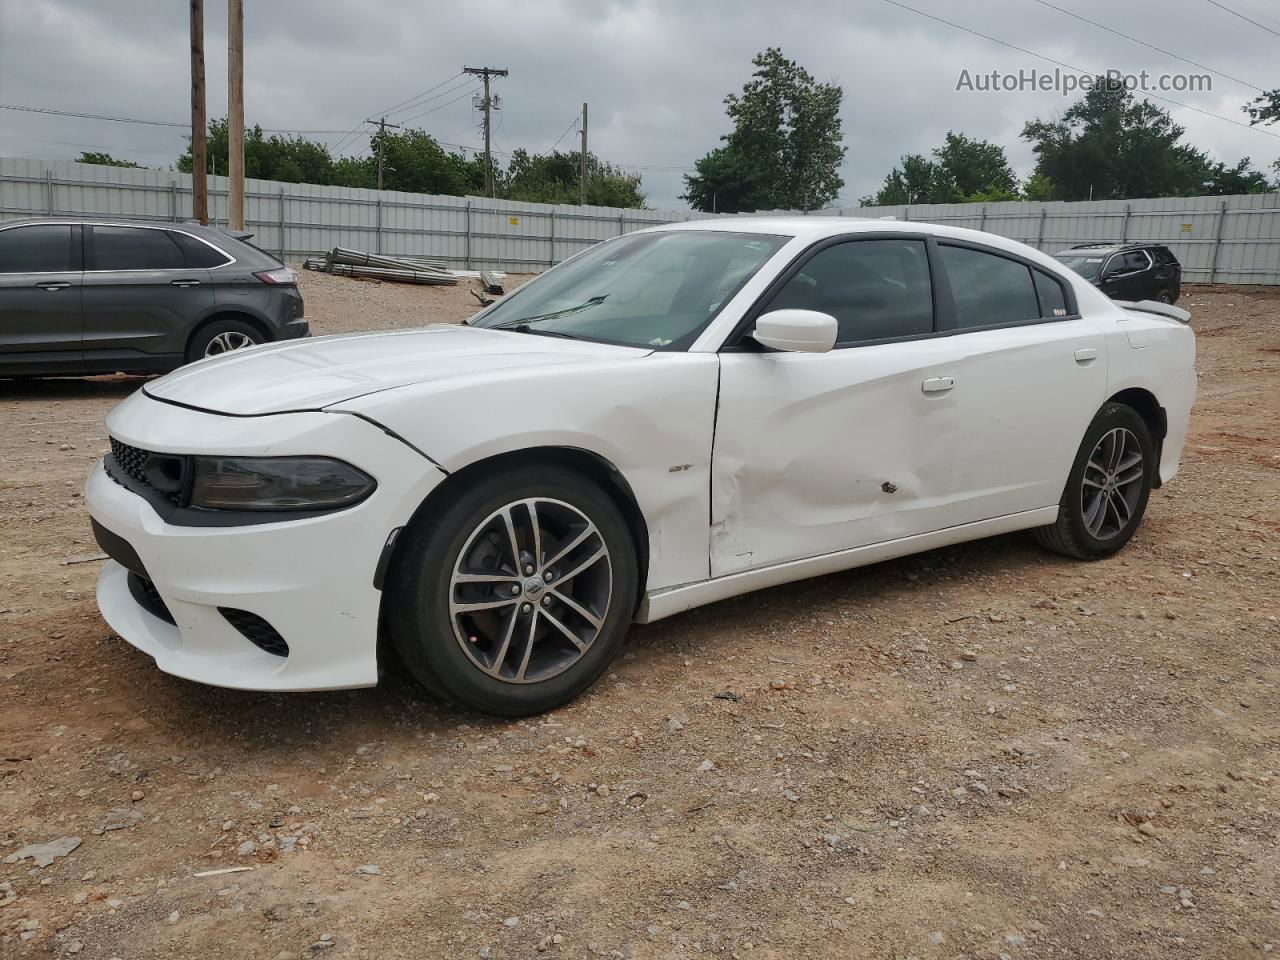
[(651, 417)]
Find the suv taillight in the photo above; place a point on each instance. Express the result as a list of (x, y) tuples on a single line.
[(280, 275)]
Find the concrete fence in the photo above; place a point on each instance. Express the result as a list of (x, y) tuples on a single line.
[(1218, 239)]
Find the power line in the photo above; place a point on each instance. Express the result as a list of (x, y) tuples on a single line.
[(423, 101), (472, 92), (1235, 13), (551, 149), (151, 123), (402, 103), (1069, 66), (1149, 46)]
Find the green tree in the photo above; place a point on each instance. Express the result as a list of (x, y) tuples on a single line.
[(1226, 181), (1109, 146), (554, 178), (105, 159), (286, 159), (785, 149), (1038, 187), (1264, 109), (963, 169)]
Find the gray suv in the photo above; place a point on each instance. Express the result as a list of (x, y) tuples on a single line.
[(84, 296)]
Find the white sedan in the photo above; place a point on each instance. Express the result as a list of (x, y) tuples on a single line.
[(668, 419)]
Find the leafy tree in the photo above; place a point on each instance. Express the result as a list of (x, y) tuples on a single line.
[(1264, 109), (1038, 187), (105, 159), (415, 163), (785, 149), (1109, 146), (963, 169), (1225, 181), (554, 178), (287, 159)]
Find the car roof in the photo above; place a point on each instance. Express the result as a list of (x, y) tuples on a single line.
[(1104, 247), (190, 226), (819, 227)]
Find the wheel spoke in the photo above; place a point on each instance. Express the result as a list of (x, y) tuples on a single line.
[(602, 552), (528, 644), (1134, 473), (570, 546), (509, 522), (578, 608), (573, 637), (1090, 483), (1096, 514), (508, 631), (1122, 516), (490, 578), (1117, 448), (537, 533), (484, 605)]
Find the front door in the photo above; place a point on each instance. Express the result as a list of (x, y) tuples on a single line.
[(817, 453), (140, 299), (40, 319)]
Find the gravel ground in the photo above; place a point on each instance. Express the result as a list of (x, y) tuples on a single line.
[(983, 751)]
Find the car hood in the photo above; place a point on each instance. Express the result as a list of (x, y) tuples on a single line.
[(315, 373)]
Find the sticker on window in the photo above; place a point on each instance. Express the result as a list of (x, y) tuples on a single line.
[(1059, 312)]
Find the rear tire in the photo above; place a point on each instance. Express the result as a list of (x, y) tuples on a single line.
[(1166, 296), (223, 336), (1108, 487), (487, 614)]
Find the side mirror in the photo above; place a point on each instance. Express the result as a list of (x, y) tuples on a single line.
[(796, 331)]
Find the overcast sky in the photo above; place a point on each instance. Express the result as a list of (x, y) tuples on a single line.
[(654, 71)]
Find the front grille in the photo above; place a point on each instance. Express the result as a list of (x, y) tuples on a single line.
[(133, 466), (148, 597), (256, 630)]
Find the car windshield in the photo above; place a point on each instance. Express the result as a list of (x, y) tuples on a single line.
[(645, 290), (1084, 264)]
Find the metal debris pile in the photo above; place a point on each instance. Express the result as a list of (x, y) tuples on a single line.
[(357, 263)]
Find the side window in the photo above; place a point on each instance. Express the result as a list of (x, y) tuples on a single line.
[(134, 248), (989, 289), (197, 254), (876, 289), (1053, 298), (42, 248), (1134, 261)]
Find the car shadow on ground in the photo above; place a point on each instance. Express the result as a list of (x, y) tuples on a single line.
[(265, 723), (114, 386)]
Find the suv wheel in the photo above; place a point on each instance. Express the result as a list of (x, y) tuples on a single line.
[(223, 336), (1166, 296)]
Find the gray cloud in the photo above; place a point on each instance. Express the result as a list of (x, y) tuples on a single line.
[(654, 71)]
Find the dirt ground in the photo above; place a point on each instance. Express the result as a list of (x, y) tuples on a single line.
[(985, 751)]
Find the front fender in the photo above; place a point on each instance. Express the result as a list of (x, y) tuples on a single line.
[(652, 417)]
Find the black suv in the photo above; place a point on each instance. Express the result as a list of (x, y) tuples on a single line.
[(1127, 271), (104, 296)]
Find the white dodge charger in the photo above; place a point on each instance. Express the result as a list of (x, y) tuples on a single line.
[(670, 418)]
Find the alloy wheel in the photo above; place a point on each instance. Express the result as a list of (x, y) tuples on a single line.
[(530, 590), (227, 341), (1112, 483)]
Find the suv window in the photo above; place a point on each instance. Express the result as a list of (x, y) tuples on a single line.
[(989, 289), (876, 289), (1132, 262), (135, 248), (1162, 256), (41, 248), (196, 253)]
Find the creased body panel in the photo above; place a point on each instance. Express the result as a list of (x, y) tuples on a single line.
[(650, 417)]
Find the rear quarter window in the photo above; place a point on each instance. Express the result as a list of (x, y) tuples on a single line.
[(197, 253)]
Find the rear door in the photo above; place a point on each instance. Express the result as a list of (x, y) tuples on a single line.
[(1129, 276), (40, 311), (140, 299), (1031, 374), (820, 452)]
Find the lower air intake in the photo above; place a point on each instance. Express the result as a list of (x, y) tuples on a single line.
[(256, 630)]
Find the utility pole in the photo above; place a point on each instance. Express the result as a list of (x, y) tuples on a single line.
[(486, 74), (199, 152), (235, 113), (582, 175), (382, 128)]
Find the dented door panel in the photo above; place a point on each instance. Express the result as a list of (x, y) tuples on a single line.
[(816, 453)]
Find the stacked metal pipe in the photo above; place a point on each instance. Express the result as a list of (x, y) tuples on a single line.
[(358, 263)]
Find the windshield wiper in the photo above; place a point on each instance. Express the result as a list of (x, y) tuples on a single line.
[(524, 321), (525, 328)]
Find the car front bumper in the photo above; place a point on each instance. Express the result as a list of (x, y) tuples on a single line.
[(310, 579)]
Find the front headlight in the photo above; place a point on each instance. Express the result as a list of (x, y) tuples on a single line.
[(276, 483)]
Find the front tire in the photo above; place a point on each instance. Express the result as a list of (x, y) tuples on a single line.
[(514, 595), (1108, 487)]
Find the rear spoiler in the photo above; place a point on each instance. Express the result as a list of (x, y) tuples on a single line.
[(1159, 309)]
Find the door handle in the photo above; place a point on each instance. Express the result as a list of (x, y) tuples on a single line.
[(53, 285), (938, 384), (1086, 355), (185, 283)]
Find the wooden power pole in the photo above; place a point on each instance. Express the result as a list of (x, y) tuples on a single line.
[(199, 151), (235, 113), (582, 176), (486, 74), (382, 128)]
